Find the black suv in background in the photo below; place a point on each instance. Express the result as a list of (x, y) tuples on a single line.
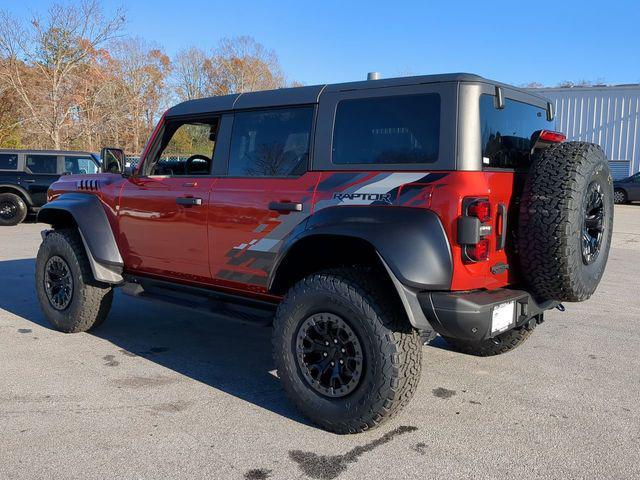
[(25, 177)]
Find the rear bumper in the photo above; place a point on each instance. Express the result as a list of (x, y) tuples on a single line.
[(469, 315)]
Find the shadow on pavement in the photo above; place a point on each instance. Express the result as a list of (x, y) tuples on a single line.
[(228, 355)]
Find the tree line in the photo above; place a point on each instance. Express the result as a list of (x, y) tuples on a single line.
[(70, 79)]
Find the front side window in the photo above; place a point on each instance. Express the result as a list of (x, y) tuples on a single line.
[(8, 161), (270, 143), (402, 129), (506, 133), (187, 148), (80, 165), (42, 163)]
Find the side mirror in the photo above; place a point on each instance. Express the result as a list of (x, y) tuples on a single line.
[(113, 160)]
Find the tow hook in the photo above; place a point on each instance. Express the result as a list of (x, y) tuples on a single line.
[(560, 307)]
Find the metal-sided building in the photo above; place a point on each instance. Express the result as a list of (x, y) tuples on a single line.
[(607, 115)]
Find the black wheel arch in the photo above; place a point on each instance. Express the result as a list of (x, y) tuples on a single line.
[(17, 190), (411, 241), (408, 245), (86, 213)]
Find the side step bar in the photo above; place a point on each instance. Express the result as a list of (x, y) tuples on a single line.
[(201, 299)]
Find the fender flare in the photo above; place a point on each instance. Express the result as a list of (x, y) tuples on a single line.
[(19, 189), (410, 242), (88, 213)]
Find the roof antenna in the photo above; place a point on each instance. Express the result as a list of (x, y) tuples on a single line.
[(373, 76)]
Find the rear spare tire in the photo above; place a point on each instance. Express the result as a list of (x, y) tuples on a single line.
[(565, 221)]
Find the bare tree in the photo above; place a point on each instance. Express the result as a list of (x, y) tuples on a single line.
[(190, 77), (141, 71), (41, 60), (241, 64), (9, 118)]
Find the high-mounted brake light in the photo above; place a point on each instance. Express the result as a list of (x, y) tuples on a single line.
[(551, 136)]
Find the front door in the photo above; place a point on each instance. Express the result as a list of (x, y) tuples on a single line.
[(163, 209), (265, 193)]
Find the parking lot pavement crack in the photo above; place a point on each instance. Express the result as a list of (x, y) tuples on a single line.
[(328, 467)]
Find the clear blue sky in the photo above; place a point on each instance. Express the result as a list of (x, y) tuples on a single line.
[(331, 41)]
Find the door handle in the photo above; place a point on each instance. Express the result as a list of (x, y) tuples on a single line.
[(28, 180), (188, 201), (285, 206), (501, 226)]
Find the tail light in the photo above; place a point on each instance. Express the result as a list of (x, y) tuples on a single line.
[(480, 209), (473, 229), (478, 252)]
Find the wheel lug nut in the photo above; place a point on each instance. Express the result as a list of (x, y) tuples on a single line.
[(341, 362), (342, 350), (325, 354), (333, 364), (335, 340), (326, 343)]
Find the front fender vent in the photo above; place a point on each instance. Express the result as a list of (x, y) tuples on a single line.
[(90, 184)]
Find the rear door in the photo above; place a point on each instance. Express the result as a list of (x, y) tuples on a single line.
[(41, 170), (163, 210), (505, 136), (264, 192)]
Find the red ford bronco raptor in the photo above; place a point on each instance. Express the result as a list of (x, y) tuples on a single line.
[(360, 218)]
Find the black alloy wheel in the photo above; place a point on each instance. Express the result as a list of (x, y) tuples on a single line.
[(58, 283), (329, 355), (8, 210), (593, 226)]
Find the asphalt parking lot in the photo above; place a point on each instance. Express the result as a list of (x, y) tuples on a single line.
[(157, 392)]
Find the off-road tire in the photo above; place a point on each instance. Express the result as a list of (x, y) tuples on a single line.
[(502, 343), (391, 348), (91, 300), (18, 206), (552, 216), (620, 196)]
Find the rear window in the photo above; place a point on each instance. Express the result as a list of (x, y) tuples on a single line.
[(8, 161), (42, 163), (506, 132), (402, 129)]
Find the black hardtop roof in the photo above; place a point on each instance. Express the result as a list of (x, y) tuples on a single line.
[(46, 152), (311, 94)]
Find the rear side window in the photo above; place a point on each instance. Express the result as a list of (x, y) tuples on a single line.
[(270, 143), (8, 161), (387, 130), (506, 133), (42, 163)]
